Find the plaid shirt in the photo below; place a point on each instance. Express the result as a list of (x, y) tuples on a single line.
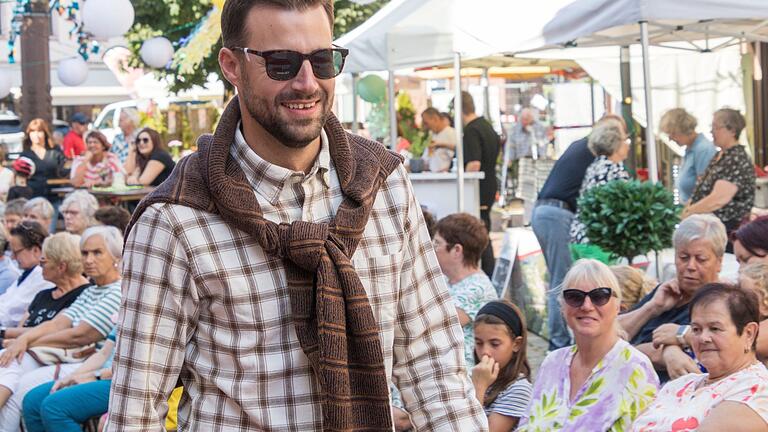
[(202, 300)]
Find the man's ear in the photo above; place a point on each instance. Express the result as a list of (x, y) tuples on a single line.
[(230, 66)]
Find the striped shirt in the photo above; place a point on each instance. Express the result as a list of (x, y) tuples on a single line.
[(513, 401), (96, 306), (203, 301), (101, 173)]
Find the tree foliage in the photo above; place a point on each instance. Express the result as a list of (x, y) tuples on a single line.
[(176, 19), (629, 218)]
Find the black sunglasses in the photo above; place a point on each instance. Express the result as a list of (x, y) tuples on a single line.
[(598, 296), (143, 140), (284, 65)]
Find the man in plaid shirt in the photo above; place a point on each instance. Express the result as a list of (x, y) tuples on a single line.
[(205, 303)]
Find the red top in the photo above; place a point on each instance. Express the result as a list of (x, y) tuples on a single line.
[(73, 145)]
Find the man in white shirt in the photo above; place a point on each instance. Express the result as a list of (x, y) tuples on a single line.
[(443, 145)]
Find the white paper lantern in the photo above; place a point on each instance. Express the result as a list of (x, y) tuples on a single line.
[(363, 2), (72, 71), (5, 82), (156, 52), (107, 18)]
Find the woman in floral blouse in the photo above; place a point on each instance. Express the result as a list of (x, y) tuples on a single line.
[(98, 166), (609, 143), (727, 188), (733, 395), (602, 382)]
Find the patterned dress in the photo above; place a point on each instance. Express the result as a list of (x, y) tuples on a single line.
[(470, 294), (602, 171), (620, 387), (734, 166), (683, 404)]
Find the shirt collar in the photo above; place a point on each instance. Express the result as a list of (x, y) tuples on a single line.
[(268, 179)]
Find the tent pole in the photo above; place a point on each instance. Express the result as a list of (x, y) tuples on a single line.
[(650, 139), (392, 111), (459, 127), (354, 102), (486, 95)]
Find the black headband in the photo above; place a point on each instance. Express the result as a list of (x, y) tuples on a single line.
[(505, 313)]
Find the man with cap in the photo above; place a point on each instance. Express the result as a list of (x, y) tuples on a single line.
[(73, 144)]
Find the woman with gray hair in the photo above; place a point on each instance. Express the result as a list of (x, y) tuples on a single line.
[(727, 188), (610, 144), (87, 321), (79, 208), (680, 126), (609, 381), (41, 211), (658, 325)]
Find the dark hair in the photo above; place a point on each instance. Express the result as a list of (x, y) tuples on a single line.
[(235, 13), (753, 236), (99, 137), (431, 111), (429, 221), (157, 145), (466, 230), (519, 364), (38, 124), (743, 306), (30, 233), (115, 216), (467, 103)]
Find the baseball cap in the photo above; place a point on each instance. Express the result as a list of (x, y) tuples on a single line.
[(24, 166), (79, 117)]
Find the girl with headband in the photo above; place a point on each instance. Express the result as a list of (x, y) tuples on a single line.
[(502, 376)]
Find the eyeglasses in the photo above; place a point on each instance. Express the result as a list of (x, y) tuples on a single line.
[(598, 296), (144, 140), (284, 65), (18, 251)]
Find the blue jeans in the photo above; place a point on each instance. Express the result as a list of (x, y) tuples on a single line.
[(65, 410), (552, 226)]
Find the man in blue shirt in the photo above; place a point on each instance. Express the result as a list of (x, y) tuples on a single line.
[(681, 128), (551, 222)]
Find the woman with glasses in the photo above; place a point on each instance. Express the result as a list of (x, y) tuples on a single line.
[(26, 245), (602, 383), (97, 166), (47, 157), (727, 187), (148, 162), (610, 144), (86, 322)]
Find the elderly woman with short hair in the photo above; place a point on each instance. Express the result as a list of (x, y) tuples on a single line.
[(602, 382), (727, 188), (733, 394), (87, 321), (41, 211), (680, 126), (97, 166), (79, 208), (658, 325), (609, 143)]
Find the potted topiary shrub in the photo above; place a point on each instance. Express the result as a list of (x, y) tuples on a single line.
[(629, 218)]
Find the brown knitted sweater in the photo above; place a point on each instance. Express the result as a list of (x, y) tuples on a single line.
[(334, 321)]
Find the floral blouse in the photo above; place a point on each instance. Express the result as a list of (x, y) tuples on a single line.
[(470, 294), (622, 384), (600, 172), (101, 173), (734, 166), (685, 402)]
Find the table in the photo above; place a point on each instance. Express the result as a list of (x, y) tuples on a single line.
[(122, 196)]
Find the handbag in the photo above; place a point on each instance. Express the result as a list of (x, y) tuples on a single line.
[(47, 356)]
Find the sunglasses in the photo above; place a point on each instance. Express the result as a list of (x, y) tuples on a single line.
[(598, 296), (144, 140), (284, 65)]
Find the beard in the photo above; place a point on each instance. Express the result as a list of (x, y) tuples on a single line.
[(293, 133)]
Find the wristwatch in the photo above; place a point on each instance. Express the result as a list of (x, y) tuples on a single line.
[(681, 332)]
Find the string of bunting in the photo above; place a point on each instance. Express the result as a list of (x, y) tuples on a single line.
[(71, 9), (198, 45)]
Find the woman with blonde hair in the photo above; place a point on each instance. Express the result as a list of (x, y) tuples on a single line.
[(634, 285), (754, 277), (602, 382), (680, 126)]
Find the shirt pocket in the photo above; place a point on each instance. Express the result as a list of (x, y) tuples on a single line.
[(380, 276)]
